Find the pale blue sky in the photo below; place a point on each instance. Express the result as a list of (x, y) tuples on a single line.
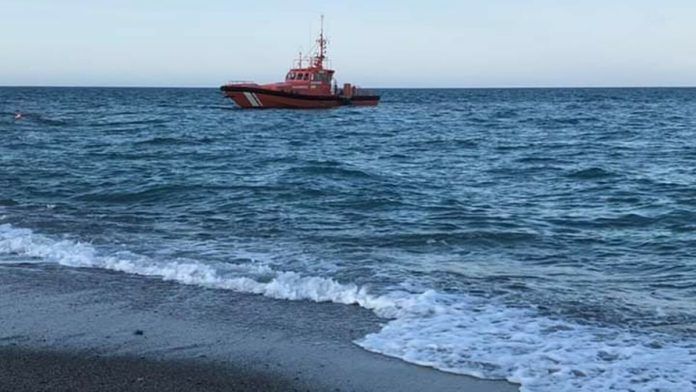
[(391, 43)]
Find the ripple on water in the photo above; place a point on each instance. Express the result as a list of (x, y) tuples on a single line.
[(544, 236)]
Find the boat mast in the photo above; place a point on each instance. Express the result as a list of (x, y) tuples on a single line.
[(319, 60)]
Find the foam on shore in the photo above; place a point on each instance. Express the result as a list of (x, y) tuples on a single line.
[(452, 332)]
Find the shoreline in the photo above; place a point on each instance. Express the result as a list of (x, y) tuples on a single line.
[(63, 317)]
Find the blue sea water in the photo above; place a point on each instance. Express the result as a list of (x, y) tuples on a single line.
[(544, 236)]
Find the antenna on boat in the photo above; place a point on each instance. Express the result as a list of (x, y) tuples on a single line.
[(321, 38), (319, 60)]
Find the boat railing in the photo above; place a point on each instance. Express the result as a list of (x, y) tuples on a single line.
[(357, 91), (240, 82)]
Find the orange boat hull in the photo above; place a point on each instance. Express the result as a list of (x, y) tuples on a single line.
[(260, 98)]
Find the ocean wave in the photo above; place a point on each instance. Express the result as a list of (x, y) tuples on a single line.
[(329, 171), (452, 332), (542, 354), (35, 118), (173, 141), (165, 141), (111, 122), (447, 143), (591, 173), (149, 194), (8, 202)]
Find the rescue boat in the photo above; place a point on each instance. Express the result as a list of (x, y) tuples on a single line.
[(305, 87)]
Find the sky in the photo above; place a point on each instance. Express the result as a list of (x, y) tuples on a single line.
[(389, 43)]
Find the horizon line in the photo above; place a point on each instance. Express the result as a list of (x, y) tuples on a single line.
[(380, 88)]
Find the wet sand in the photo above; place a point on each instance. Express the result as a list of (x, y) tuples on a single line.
[(23, 370), (88, 329)]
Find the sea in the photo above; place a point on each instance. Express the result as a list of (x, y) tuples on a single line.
[(542, 236)]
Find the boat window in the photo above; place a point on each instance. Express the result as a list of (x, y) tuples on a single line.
[(306, 76)]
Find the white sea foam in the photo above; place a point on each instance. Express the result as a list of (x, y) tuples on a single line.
[(542, 354), (451, 332)]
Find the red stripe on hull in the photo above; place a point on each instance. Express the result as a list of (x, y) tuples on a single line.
[(245, 101), (260, 100)]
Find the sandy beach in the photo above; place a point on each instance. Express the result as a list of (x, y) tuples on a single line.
[(88, 330), (24, 370)]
